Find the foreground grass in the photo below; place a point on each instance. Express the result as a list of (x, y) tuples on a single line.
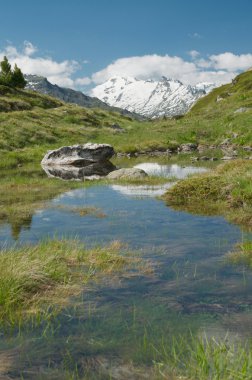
[(50, 272), (204, 359), (227, 191)]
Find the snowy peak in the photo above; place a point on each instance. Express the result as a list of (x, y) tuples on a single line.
[(166, 97)]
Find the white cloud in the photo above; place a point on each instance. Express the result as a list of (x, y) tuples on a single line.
[(145, 67), (215, 68), (29, 48), (195, 35), (231, 62), (82, 81), (194, 54)]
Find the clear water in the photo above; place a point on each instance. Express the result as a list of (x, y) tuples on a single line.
[(193, 287)]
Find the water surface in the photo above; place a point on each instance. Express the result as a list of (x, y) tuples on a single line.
[(192, 285)]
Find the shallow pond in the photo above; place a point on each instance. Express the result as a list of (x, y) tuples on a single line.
[(192, 287)]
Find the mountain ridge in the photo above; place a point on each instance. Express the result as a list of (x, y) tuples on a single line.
[(150, 98), (42, 85)]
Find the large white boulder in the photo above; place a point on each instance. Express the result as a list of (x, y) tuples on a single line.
[(78, 154)]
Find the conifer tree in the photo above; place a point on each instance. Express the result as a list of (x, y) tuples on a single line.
[(8, 77), (17, 79), (5, 73)]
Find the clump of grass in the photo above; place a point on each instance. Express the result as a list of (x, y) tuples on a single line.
[(242, 254), (205, 359), (227, 191), (51, 270)]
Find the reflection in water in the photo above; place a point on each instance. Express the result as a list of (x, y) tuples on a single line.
[(70, 172), (169, 171), (19, 224), (142, 190)]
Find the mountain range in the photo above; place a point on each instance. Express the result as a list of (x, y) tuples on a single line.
[(42, 85), (131, 97), (152, 99)]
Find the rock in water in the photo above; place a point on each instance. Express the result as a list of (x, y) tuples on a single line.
[(129, 173), (78, 154)]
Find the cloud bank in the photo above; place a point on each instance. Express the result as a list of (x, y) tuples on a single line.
[(218, 68)]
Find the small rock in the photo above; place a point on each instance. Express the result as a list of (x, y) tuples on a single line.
[(225, 142), (247, 148), (187, 148), (242, 109), (117, 127), (127, 173), (204, 158), (201, 148), (227, 158)]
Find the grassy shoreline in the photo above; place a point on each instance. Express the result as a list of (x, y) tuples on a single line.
[(225, 191)]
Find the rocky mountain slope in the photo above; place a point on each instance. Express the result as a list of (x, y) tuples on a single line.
[(152, 99), (42, 85)]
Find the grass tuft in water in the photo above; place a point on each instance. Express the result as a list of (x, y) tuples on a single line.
[(242, 254), (50, 272), (204, 359)]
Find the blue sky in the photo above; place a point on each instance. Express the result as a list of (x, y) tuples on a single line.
[(81, 43)]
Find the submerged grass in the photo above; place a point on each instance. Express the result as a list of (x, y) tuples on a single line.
[(51, 271), (242, 255), (226, 191)]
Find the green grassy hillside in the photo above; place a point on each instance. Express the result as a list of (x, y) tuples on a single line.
[(31, 123)]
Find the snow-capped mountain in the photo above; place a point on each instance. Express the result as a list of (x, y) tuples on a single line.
[(153, 99), (42, 85)]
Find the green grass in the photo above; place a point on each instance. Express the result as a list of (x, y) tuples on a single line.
[(227, 191), (204, 359), (51, 271), (242, 255)]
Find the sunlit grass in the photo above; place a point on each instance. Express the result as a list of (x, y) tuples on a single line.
[(227, 191)]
